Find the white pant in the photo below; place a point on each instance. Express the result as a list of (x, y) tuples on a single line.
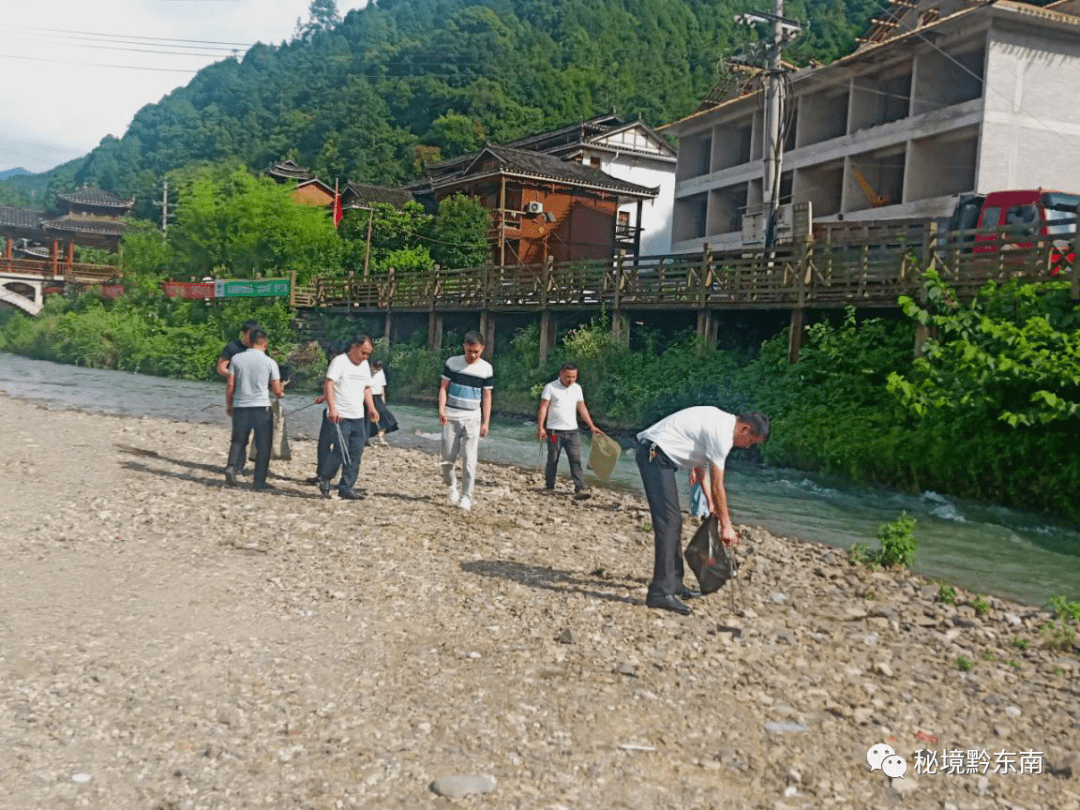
[(456, 434)]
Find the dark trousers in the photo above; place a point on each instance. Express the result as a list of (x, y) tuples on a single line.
[(327, 437), (662, 491), (353, 437), (245, 421), (570, 440)]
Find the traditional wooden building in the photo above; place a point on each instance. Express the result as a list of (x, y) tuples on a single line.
[(86, 216), (630, 151), (542, 206), (362, 196), (89, 216)]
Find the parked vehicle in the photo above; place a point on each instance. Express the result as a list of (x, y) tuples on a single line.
[(1015, 219)]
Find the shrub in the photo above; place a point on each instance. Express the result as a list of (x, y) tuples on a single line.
[(946, 594)]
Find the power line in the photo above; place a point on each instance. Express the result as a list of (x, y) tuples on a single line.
[(96, 64), (221, 55), (134, 36)]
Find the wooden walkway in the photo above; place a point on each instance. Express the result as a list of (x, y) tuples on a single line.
[(847, 264)]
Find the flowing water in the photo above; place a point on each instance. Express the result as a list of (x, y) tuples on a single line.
[(988, 549)]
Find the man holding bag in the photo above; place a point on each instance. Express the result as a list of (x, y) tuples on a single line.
[(701, 436), (561, 403)]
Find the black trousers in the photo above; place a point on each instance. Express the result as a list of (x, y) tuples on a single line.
[(327, 437), (246, 421), (569, 440), (662, 492), (350, 443)]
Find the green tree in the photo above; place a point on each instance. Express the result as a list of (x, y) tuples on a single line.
[(458, 233), (392, 229), (1012, 355), (322, 16), (230, 222)]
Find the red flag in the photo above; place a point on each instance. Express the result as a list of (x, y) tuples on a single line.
[(338, 213)]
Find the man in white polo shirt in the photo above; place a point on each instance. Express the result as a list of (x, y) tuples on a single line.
[(561, 403), (699, 437), (348, 390)]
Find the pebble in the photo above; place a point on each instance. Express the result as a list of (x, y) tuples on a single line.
[(459, 786)]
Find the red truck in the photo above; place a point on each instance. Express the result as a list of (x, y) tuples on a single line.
[(1018, 217)]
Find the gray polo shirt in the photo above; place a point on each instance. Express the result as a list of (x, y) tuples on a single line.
[(253, 371)]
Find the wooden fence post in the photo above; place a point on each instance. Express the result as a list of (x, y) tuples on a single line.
[(435, 330), (620, 324), (803, 277), (547, 325)]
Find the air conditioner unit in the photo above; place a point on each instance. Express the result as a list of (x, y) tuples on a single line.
[(535, 207)]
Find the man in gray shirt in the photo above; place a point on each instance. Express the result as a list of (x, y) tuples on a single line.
[(252, 376)]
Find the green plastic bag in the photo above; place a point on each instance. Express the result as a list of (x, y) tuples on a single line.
[(603, 455)]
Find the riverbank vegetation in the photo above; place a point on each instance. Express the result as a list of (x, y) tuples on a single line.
[(989, 410)]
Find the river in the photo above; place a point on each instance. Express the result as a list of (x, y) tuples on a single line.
[(984, 548)]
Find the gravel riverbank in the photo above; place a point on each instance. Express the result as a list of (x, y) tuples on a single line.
[(167, 643)]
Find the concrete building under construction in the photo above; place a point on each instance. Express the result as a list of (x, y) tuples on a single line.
[(940, 99)]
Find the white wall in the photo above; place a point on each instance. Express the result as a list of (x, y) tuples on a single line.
[(1031, 134), (655, 213)]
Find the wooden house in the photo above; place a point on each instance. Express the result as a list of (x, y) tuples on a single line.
[(542, 206)]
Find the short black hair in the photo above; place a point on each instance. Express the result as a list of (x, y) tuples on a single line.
[(249, 325), (257, 336), (473, 338), (376, 365), (358, 339), (568, 367), (758, 422)]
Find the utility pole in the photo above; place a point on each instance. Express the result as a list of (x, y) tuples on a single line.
[(782, 31), (773, 149), (165, 208)]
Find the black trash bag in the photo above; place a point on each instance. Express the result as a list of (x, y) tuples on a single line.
[(708, 558)]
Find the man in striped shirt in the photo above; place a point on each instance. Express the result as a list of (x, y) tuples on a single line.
[(465, 414)]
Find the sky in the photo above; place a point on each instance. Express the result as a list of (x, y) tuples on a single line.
[(75, 71)]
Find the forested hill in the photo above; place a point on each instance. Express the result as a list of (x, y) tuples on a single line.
[(369, 98)]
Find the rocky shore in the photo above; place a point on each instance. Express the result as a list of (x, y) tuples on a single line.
[(167, 643)]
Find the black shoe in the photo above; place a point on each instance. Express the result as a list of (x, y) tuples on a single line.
[(582, 495), (688, 593), (230, 476), (668, 602), (324, 486), (262, 486), (351, 495)]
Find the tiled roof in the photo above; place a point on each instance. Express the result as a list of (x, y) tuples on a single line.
[(538, 166), (74, 223), (23, 218), (360, 193), (289, 170), (88, 195), (567, 138)]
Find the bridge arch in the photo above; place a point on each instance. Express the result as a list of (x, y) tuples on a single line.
[(9, 293)]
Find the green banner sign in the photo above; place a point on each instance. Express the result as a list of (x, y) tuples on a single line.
[(251, 288)]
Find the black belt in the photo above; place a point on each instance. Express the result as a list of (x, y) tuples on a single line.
[(656, 454)]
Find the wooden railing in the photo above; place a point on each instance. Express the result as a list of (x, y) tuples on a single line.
[(863, 265), (76, 272)]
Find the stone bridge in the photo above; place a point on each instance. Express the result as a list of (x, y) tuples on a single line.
[(24, 283), (26, 291)]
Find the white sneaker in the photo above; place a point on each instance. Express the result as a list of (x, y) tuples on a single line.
[(453, 492), (465, 503)]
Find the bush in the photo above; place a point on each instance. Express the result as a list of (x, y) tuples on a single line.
[(897, 545)]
